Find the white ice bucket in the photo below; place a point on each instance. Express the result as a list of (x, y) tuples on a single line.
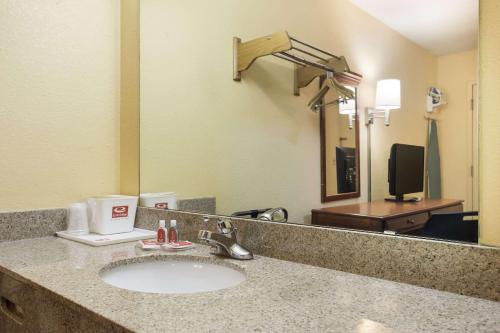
[(160, 200), (111, 214)]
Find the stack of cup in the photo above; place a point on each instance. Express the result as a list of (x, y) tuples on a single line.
[(77, 220)]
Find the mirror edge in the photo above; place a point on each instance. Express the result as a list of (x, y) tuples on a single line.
[(129, 98)]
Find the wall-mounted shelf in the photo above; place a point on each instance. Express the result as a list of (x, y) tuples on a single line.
[(311, 62)]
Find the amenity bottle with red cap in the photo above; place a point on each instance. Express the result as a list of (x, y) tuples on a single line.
[(172, 232), (161, 234)]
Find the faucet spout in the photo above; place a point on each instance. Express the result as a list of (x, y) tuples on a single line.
[(224, 245)]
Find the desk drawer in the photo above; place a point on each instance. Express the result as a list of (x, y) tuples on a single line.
[(407, 223), (350, 222)]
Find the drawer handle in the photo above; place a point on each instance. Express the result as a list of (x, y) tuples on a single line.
[(410, 221), (12, 310)]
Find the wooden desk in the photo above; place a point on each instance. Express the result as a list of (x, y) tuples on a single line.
[(401, 217)]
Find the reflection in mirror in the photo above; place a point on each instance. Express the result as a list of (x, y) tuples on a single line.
[(278, 214), (252, 149), (250, 146), (339, 150), (429, 152)]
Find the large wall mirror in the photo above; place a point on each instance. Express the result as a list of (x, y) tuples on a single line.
[(245, 148)]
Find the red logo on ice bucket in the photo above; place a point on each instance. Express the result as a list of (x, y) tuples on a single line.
[(119, 211), (161, 205)]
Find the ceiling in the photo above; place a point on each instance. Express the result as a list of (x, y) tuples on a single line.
[(440, 26)]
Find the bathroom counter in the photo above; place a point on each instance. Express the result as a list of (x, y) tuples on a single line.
[(278, 296)]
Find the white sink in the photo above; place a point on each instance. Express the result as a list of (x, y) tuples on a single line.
[(172, 276)]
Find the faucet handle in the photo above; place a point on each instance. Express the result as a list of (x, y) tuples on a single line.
[(225, 227)]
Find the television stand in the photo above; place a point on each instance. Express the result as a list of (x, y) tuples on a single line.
[(401, 198)]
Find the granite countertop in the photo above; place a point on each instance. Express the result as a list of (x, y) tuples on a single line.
[(278, 296)]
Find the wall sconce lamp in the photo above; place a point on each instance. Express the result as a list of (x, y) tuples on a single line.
[(388, 97), (348, 107)]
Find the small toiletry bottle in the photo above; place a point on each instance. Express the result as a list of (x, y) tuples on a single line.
[(161, 234), (172, 232)]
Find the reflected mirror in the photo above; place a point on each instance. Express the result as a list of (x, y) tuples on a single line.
[(339, 130), (254, 149)]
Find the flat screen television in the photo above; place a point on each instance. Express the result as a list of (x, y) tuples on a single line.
[(406, 171)]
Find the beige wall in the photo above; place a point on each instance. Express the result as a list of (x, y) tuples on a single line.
[(253, 144), (489, 121), (455, 75), (59, 101)]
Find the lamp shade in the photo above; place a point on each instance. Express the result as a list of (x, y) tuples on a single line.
[(388, 96), (348, 106)]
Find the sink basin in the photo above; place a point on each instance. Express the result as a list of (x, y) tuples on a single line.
[(168, 276)]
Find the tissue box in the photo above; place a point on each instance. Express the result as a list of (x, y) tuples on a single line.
[(112, 214), (161, 200)]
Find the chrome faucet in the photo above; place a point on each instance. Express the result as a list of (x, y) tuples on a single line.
[(275, 214), (224, 241)]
